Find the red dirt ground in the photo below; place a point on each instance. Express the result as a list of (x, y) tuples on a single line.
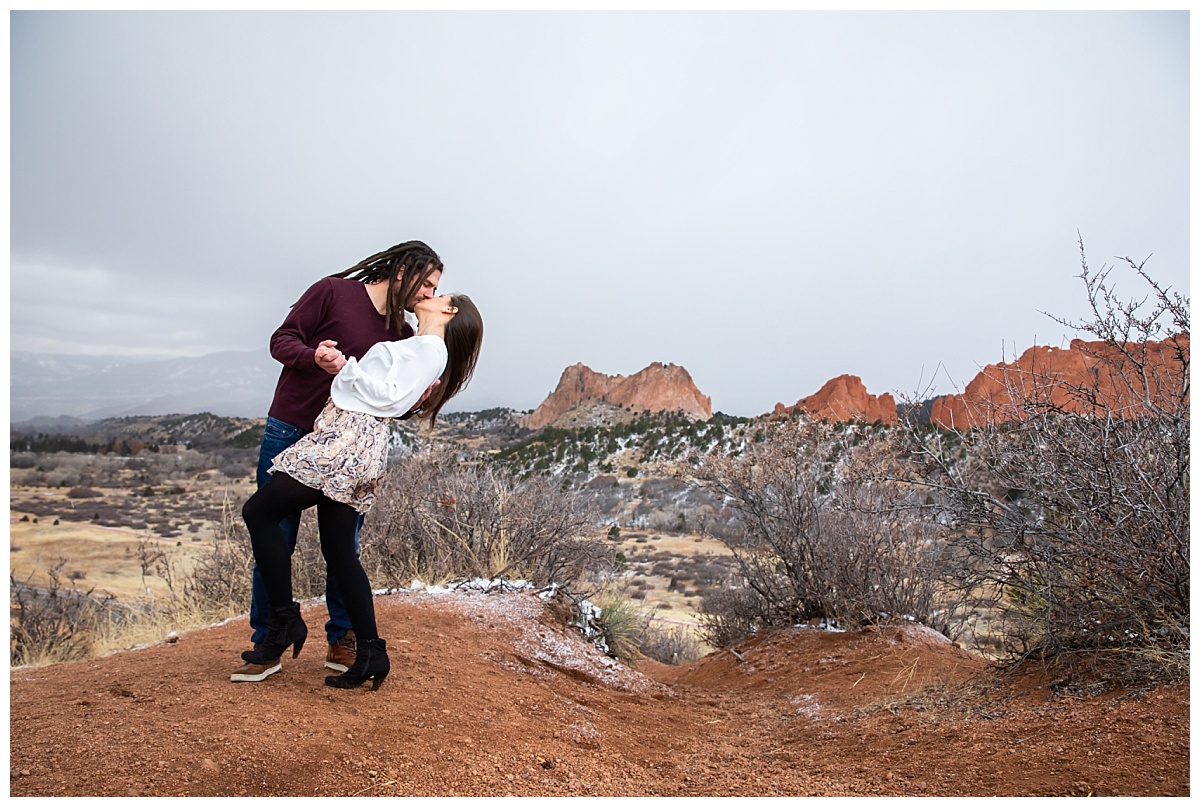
[(489, 695)]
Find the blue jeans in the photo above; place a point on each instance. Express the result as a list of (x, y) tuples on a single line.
[(277, 436)]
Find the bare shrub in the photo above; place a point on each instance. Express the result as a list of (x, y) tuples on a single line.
[(894, 561), (778, 489), (21, 460), (49, 462), (55, 622), (237, 471), (673, 644), (1071, 506), (58, 622), (670, 523), (308, 564), (437, 519), (64, 478), (220, 581), (728, 615), (813, 544)]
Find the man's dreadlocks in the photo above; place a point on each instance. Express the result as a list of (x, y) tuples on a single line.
[(413, 262)]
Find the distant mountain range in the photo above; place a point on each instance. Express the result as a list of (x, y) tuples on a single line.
[(232, 383)]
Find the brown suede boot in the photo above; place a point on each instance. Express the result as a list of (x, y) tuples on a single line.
[(341, 653)]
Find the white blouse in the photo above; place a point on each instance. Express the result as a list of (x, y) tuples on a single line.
[(390, 377)]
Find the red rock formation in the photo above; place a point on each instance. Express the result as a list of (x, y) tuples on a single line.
[(846, 398), (1086, 377), (657, 388)]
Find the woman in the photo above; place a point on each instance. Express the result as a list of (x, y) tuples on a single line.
[(338, 465)]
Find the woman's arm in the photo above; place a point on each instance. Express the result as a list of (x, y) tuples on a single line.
[(391, 378)]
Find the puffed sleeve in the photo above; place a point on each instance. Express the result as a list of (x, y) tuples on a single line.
[(391, 376)]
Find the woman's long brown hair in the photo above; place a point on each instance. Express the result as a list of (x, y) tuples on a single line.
[(464, 337)]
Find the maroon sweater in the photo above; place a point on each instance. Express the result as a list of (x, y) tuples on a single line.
[(332, 308)]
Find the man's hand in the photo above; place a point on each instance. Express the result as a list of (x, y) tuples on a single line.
[(417, 406), (428, 390), (329, 358)]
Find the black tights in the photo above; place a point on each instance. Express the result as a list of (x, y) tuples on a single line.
[(282, 496)]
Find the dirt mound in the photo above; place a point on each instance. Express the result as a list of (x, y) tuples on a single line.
[(494, 695), (829, 669)]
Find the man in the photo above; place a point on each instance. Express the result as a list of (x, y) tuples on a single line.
[(340, 315)]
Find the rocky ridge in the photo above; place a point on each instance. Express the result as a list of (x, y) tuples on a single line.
[(656, 388), (1105, 375), (845, 398)]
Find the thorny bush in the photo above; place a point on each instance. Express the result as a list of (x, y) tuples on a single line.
[(812, 544), (438, 518), (55, 621), (1071, 507)]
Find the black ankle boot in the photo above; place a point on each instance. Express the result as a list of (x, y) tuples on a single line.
[(370, 663), (286, 627)]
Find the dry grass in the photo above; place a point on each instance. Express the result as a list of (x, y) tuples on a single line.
[(971, 695), (1133, 669), (108, 626), (156, 623)]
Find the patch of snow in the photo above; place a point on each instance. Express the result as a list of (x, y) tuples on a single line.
[(823, 624), (807, 706), (924, 634), (583, 730), (586, 618)]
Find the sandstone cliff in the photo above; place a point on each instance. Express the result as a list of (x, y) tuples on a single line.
[(657, 388), (1057, 377), (845, 398)]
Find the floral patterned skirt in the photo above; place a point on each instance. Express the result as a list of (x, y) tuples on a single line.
[(344, 456)]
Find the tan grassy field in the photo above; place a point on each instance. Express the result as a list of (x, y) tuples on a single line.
[(99, 539), (649, 554), (104, 558)]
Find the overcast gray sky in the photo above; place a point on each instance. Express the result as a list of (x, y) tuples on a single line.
[(768, 199)]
